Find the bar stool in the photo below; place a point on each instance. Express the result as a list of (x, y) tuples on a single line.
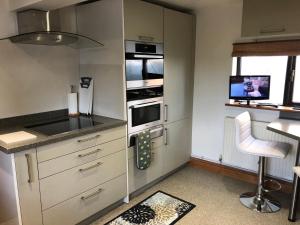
[(297, 170), (246, 143)]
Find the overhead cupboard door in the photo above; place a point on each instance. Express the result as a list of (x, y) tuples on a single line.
[(270, 17), (178, 74), (143, 21)]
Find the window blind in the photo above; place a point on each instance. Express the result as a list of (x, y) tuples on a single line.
[(267, 48)]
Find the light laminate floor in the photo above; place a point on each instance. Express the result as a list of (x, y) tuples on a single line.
[(216, 198)]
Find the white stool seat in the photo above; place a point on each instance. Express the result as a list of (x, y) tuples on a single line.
[(271, 149), (297, 170), (246, 143)]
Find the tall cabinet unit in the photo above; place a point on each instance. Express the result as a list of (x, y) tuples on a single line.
[(179, 65), (146, 22), (179, 45)]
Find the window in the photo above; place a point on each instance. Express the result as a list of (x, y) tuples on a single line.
[(276, 66), (296, 85)]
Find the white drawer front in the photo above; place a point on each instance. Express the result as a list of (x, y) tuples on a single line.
[(76, 209), (62, 163), (65, 185), (55, 150)]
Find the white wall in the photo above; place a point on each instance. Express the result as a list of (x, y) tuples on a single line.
[(217, 28), (103, 21), (33, 78)]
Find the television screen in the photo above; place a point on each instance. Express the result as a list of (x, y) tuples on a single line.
[(249, 87)]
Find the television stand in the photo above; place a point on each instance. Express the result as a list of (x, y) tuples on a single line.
[(245, 103)]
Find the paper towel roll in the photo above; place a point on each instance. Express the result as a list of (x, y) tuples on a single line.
[(72, 103)]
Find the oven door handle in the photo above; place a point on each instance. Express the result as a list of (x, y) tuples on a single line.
[(144, 104)]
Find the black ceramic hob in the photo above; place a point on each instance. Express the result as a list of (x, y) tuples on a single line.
[(63, 125)]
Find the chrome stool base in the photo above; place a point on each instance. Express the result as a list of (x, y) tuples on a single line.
[(265, 205)]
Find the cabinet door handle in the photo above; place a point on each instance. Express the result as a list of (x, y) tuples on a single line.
[(29, 168), (90, 167), (166, 112), (92, 195), (89, 139), (145, 38), (166, 136), (89, 153), (272, 30)]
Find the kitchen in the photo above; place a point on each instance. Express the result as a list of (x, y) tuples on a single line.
[(112, 107), (37, 102)]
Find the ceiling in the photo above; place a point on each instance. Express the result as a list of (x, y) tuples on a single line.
[(191, 5)]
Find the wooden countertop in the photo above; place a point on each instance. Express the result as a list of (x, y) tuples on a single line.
[(254, 106)]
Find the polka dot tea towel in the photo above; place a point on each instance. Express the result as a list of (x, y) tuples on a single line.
[(143, 150)]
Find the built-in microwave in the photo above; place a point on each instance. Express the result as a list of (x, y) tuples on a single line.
[(145, 108), (143, 114), (144, 64)]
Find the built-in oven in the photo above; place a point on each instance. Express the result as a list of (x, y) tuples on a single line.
[(145, 108), (144, 64)]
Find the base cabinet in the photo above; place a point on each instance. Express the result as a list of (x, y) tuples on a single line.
[(28, 187), (139, 178), (84, 182), (169, 152), (177, 151), (90, 202)]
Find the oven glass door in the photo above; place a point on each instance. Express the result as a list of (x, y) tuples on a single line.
[(146, 114), (144, 69)]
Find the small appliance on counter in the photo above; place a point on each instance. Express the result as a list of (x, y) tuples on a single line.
[(86, 91)]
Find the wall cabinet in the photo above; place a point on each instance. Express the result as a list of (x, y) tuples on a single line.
[(179, 64), (270, 17), (143, 21)]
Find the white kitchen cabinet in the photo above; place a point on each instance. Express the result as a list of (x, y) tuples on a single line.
[(143, 21), (179, 64), (90, 202), (177, 147), (139, 178), (18, 5), (69, 186), (270, 17), (28, 187)]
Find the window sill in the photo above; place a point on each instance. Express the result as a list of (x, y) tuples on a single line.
[(270, 108)]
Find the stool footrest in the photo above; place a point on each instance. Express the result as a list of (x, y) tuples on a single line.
[(271, 185)]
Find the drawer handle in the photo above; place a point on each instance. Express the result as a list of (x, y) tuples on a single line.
[(89, 153), (92, 195), (89, 139), (29, 169), (145, 38), (90, 167)]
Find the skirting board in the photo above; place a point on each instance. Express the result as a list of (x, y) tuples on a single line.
[(235, 173)]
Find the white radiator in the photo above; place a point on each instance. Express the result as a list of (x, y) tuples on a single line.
[(280, 168)]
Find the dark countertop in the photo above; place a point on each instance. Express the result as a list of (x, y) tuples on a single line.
[(106, 123)]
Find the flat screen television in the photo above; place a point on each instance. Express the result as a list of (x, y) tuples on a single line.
[(254, 87)]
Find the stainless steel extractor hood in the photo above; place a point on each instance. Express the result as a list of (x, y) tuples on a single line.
[(57, 27)]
